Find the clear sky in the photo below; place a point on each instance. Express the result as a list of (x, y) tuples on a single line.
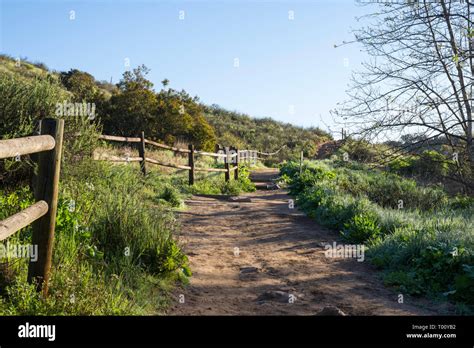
[(287, 69)]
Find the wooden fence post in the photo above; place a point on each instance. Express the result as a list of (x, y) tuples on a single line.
[(227, 167), (237, 160), (191, 164), (141, 153), (301, 162), (46, 188), (217, 148)]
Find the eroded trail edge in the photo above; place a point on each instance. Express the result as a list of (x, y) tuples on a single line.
[(256, 256)]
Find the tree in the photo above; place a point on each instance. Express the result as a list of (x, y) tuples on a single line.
[(419, 79), (164, 116), (133, 109), (135, 80), (80, 84), (181, 116)]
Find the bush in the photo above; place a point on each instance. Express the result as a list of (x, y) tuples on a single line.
[(172, 196), (401, 165), (464, 283), (246, 185), (361, 228), (426, 247), (22, 103), (431, 164), (126, 227), (358, 150)]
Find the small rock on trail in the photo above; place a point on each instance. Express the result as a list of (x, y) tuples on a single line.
[(331, 311), (274, 295)]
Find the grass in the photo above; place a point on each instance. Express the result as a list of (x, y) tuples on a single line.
[(420, 237), (116, 249), (113, 251)]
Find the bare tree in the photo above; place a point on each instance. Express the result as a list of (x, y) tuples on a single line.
[(420, 75)]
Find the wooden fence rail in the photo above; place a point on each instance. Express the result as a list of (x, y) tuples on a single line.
[(47, 148), (42, 214), (25, 146), (230, 155)]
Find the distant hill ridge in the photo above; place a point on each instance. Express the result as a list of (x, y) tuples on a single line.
[(231, 128)]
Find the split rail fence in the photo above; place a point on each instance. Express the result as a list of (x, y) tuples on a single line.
[(231, 156), (46, 149)]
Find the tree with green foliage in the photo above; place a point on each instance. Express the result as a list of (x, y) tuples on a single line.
[(167, 116), (81, 84)]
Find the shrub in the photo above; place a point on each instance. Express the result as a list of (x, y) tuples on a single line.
[(431, 164), (172, 196), (463, 285), (361, 228), (125, 227), (245, 183), (358, 150), (426, 248), (401, 165)]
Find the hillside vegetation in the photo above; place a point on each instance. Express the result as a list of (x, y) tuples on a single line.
[(420, 236), (132, 106), (264, 134), (115, 249)]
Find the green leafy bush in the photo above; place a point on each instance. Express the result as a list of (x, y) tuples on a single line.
[(401, 165), (431, 163), (426, 247), (172, 196), (358, 150), (464, 285), (361, 228)]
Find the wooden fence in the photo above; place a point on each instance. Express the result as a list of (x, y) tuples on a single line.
[(47, 148), (231, 156)]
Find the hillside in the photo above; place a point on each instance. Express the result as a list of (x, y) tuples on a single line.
[(343, 199), (264, 134), (227, 128)]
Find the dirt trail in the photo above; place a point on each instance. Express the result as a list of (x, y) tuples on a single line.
[(280, 253)]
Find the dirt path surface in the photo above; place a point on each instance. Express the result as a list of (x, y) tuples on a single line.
[(256, 256)]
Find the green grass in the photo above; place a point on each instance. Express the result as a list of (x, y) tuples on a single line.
[(425, 246), (115, 250)]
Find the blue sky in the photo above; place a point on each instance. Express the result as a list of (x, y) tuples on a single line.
[(288, 69)]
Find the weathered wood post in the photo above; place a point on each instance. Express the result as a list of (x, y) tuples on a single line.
[(217, 148), (141, 153), (301, 162), (236, 162), (46, 188), (227, 160), (191, 164)]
